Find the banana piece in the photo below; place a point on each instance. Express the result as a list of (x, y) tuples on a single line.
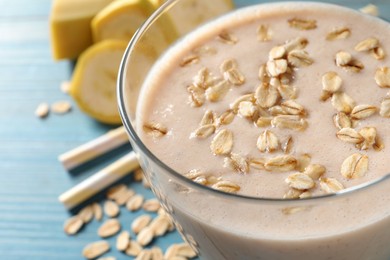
[(70, 31), (120, 20), (186, 15), (93, 85)]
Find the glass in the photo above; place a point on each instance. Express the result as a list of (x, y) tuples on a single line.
[(352, 224)]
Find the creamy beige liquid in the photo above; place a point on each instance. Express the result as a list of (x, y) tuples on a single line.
[(164, 99)]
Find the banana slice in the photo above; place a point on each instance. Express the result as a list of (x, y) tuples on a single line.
[(93, 85), (190, 13), (120, 20)]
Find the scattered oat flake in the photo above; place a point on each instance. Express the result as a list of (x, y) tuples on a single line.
[(228, 65), (382, 77), (367, 44), (109, 228), (315, 171), (203, 78), (378, 53), (124, 196), (282, 163), (354, 66), (300, 181), (369, 134), (123, 240), (342, 120), (111, 209), (145, 236), (42, 110), (65, 87), (293, 210), (227, 38), (263, 121), (140, 223), (330, 185), (96, 249), (331, 82), (355, 166), (299, 58), (267, 142), (378, 145), (222, 143), (342, 102), (237, 162), (135, 202), (277, 67), (145, 254), (302, 24), (385, 108), (197, 95), (185, 250), (277, 52), (138, 174), (190, 59), (287, 145), (61, 107), (204, 131), (343, 58), (155, 129), (303, 161), (218, 91), (292, 194), (97, 211), (235, 106), (287, 92), (226, 186), (107, 258), (349, 135), (171, 251), (363, 111), (338, 34), (73, 225), (296, 44), (226, 117), (370, 9), (292, 122), (247, 109), (115, 191), (160, 225), (264, 33), (293, 108), (133, 249), (234, 76), (151, 205), (257, 163), (266, 95), (157, 253), (208, 118), (86, 214)]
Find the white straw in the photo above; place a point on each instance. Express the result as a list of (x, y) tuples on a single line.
[(99, 181), (94, 148)]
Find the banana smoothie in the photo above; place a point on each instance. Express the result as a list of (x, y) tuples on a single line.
[(277, 101)]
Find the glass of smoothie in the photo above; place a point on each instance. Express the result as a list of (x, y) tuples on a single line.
[(263, 127)]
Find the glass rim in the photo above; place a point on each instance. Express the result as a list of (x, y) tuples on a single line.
[(134, 136)]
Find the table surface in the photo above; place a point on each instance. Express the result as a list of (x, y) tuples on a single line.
[(31, 178)]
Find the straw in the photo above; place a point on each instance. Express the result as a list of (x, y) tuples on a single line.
[(94, 148), (99, 181)]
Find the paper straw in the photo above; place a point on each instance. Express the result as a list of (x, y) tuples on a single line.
[(94, 148), (99, 181)]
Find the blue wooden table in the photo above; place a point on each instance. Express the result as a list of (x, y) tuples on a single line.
[(31, 178)]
